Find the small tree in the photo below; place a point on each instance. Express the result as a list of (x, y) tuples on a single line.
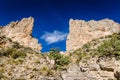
[(60, 60), (54, 50)]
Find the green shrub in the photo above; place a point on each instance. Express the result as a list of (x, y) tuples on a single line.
[(110, 47), (81, 53), (1, 73), (60, 60), (54, 50), (16, 61), (45, 70), (1, 76), (14, 53), (35, 69)]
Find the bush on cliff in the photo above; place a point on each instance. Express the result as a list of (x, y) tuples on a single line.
[(60, 60), (14, 53), (109, 47)]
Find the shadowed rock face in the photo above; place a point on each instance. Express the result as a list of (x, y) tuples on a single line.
[(81, 32), (20, 31)]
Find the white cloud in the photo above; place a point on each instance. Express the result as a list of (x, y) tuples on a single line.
[(55, 36)]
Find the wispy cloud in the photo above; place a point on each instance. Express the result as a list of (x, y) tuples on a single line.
[(54, 37)]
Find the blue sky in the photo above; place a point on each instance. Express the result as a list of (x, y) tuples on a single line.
[(52, 16)]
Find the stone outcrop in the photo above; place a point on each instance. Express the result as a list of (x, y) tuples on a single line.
[(94, 69), (21, 31), (81, 32)]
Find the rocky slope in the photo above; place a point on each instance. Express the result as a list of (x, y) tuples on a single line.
[(96, 59), (21, 31), (18, 62), (81, 32), (99, 59), (87, 63)]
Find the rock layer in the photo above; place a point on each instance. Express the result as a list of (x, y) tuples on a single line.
[(81, 32), (21, 31)]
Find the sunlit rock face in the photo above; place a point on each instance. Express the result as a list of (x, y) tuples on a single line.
[(21, 31), (94, 69), (81, 32)]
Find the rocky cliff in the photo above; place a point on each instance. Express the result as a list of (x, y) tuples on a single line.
[(21, 31), (81, 32)]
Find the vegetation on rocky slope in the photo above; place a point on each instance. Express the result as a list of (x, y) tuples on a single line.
[(103, 47), (52, 63), (17, 56), (14, 53), (60, 60), (110, 47)]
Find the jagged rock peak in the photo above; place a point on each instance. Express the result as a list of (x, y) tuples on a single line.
[(81, 31), (21, 31), (24, 26)]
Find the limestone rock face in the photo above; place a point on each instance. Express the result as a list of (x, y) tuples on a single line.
[(81, 32), (93, 69), (20, 31)]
